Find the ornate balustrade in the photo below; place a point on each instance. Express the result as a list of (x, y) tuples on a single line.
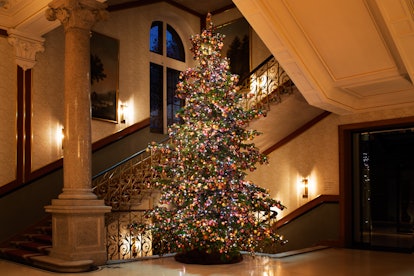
[(125, 187), (264, 85), (122, 242)]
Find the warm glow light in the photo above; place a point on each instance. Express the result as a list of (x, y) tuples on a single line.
[(305, 188), (134, 245), (306, 185), (206, 48), (59, 136), (125, 112), (263, 82)]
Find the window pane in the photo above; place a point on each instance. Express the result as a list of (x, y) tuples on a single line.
[(156, 37), (174, 104), (175, 48), (156, 107)]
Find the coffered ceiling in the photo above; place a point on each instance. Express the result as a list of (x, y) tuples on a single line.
[(344, 56)]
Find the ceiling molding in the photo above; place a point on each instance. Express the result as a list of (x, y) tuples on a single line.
[(347, 57), (26, 16)]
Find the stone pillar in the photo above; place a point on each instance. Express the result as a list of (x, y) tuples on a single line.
[(77, 215)]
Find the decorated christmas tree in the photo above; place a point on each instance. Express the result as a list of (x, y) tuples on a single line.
[(207, 208)]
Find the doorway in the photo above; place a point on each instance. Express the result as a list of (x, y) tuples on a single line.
[(383, 189)]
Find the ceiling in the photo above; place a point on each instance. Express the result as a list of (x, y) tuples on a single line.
[(199, 6), (344, 56), (27, 16)]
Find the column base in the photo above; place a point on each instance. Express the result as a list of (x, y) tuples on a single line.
[(78, 230), (77, 194)]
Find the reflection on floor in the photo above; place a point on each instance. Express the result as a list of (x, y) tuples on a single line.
[(330, 261), (393, 236)]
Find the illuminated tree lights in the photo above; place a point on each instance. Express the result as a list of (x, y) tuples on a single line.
[(207, 207)]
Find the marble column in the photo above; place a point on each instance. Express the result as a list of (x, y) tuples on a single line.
[(77, 215)]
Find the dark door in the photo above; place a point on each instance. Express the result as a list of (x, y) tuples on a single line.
[(383, 189)]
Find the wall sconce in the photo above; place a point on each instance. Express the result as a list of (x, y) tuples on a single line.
[(62, 136), (59, 136), (305, 193), (122, 113)]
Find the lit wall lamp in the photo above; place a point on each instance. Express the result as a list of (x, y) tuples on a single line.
[(122, 113), (305, 188), (60, 135)]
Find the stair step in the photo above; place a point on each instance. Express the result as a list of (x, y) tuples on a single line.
[(19, 255), (35, 246), (35, 242), (40, 238), (62, 266), (44, 230)]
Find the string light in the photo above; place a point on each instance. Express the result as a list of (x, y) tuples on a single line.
[(204, 164)]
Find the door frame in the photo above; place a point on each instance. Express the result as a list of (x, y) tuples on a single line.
[(345, 168)]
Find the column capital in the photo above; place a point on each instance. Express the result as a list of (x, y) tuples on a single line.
[(81, 14), (25, 48)]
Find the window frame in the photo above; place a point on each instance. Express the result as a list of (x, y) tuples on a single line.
[(166, 62)]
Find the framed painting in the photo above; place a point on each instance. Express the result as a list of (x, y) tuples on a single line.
[(237, 45), (104, 77)]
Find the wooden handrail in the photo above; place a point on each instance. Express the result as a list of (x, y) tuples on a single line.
[(306, 208), (120, 134), (58, 164)]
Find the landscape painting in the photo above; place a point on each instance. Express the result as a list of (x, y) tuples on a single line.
[(104, 77)]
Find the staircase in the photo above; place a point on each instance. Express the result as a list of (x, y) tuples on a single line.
[(36, 241), (33, 247), (124, 186)]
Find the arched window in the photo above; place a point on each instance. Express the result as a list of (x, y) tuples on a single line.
[(165, 66), (156, 37), (175, 48)]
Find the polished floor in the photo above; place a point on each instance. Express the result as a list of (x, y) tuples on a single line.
[(322, 262)]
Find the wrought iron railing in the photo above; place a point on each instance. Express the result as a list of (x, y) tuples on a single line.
[(265, 84), (122, 242), (125, 186)]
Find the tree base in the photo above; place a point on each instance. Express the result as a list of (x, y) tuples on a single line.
[(198, 257)]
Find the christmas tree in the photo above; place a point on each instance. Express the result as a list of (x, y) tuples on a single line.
[(206, 205)]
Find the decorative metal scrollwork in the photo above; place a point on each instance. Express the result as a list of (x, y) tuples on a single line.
[(265, 85), (126, 186), (122, 242)]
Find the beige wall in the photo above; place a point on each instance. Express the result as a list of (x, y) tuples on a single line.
[(8, 94), (259, 51), (47, 101), (131, 27), (314, 155)]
